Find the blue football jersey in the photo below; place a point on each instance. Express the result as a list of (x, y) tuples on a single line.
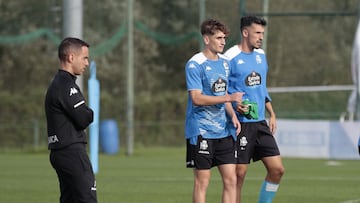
[(211, 78), (248, 74)]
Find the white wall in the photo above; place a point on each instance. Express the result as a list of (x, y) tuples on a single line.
[(318, 139)]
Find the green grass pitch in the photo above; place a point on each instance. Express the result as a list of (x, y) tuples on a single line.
[(158, 175)]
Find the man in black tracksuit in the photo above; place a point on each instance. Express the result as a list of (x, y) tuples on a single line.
[(67, 117)]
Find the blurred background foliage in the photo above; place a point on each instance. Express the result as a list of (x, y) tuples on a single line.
[(307, 45)]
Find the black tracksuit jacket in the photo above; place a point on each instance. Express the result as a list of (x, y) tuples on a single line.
[(66, 112)]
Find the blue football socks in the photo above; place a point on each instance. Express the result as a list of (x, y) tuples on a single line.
[(267, 192)]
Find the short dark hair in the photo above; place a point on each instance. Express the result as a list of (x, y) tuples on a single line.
[(248, 20), (68, 44), (209, 26)]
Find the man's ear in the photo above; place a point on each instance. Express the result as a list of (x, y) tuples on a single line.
[(206, 39), (245, 33), (70, 57)]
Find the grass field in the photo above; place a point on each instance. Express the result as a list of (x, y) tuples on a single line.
[(158, 175)]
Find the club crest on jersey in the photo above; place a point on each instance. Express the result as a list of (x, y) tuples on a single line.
[(227, 69), (219, 85), (73, 91), (258, 59), (226, 65), (253, 79)]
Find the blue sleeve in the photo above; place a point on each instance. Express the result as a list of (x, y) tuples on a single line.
[(267, 97), (232, 78), (193, 76)]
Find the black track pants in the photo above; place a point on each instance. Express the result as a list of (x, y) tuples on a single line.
[(75, 174)]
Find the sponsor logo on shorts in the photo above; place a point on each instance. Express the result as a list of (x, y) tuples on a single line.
[(243, 143), (204, 147), (190, 164), (93, 188)]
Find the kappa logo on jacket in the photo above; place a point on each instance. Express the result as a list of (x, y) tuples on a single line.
[(73, 91)]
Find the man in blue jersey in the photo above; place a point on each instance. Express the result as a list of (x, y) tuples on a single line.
[(248, 74), (209, 142)]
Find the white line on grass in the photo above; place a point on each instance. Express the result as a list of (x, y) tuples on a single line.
[(351, 201)]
